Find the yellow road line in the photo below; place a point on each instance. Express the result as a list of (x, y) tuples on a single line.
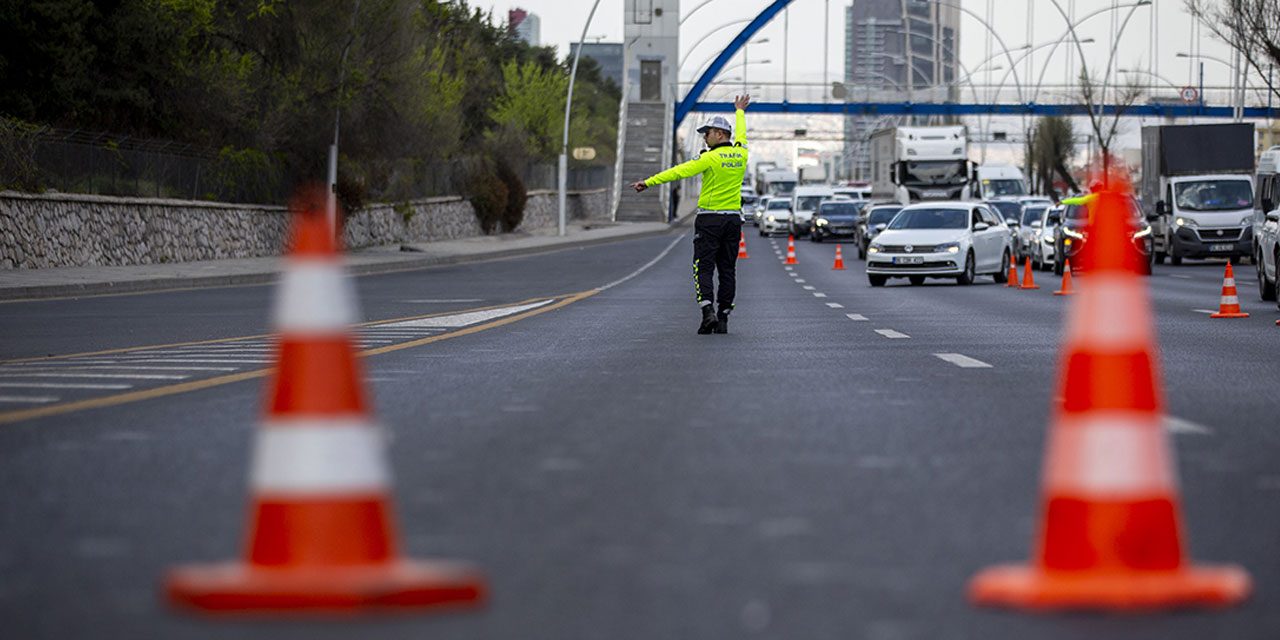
[(147, 394)]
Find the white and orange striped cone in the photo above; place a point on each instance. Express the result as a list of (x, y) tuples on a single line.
[(1111, 532), (1229, 307), (791, 251), (1066, 289), (839, 264), (321, 537), (1028, 281), (742, 246), (1013, 275)]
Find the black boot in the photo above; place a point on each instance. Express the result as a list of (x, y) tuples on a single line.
[(708, 321), (722, 321)]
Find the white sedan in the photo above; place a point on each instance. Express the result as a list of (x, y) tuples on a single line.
[(776, 217), (958, 240)]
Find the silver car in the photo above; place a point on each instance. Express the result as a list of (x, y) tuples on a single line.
[(958, 240)]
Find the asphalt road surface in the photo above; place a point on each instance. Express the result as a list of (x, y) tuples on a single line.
[(837, 466)]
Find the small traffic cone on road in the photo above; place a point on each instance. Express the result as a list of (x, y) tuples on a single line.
[(839, 259), (791, 251), (742, 246), (1028, 282), (1066, 289), (1229, 307), (1111, 532), (321, 536), (1013, 274)]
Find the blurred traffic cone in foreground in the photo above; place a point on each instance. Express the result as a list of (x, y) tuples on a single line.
[(321, 533), (1229, 307), (742, 246), (1013, 274), (1110, 534), (1028, 282), (791, 251), (1066, 289), (839, 259)]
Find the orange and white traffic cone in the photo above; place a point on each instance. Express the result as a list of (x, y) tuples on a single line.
[(791, 251), (1066, 289), (1229, 307), (1013, 274), (742, 246), (839, 259), (1028, 282), (1111, 532), (321, 536)]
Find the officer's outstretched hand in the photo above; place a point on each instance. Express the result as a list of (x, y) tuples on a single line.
[(742, 102), (639, 186)]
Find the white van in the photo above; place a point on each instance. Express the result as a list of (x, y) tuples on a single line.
[(1266, 223), (805, 201), (998, 182)]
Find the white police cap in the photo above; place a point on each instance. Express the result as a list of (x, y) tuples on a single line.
[(716, 122)]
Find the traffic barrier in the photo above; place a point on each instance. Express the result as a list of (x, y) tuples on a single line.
[(1013, 274), (1229, 307), (321, 537), (1066, 289), (791, 251), (742, 246), (1110, 534), (1028, 282), (839, 259)]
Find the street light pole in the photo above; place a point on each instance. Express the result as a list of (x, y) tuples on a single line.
[(568, 104)]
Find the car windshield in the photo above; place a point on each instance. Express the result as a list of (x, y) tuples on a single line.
[(1031, 214), (1006, 209), (779, 204), (1213, 195), (1008, 187), (882, 215), (809, 203), (839, 209), (1080, 213), (931, 219)]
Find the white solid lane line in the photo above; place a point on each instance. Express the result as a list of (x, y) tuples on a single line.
[(963, 361), (29, 399), (1178, 425), (835, 305), (59, 385), (856, 317), (890, 333), (110, 367), (1209, 311), (123, 376), (1179, 277)]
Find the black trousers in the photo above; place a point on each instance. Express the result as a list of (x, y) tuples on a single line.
[(715, 248)]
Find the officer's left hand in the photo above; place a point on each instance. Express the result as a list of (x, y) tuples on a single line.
[(639, 186)]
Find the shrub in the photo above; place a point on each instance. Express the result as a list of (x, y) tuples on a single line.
[(513, 214), (488, 196)]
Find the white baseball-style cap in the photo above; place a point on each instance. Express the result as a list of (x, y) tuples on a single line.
[(716, 122)]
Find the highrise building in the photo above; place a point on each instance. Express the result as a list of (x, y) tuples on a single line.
[(606, 54), (895, 51), (526, 26)]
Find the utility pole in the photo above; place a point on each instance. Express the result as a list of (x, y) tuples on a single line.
[(563, 176)]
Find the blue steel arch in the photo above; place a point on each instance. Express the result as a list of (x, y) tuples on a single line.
[(686, 105)]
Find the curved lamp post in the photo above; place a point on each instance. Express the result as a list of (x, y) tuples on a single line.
[(1071, 32), (989, 28), (563, 176)]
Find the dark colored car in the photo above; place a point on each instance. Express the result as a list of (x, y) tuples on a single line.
[(1071, 235), (836, 219), (873, 219)]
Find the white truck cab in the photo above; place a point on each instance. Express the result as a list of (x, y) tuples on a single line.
[(997, 182), (804, 202)]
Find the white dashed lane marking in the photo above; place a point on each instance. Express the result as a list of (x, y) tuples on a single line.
[(835, 305), (963, 361), (1179, 277), (72, 374), (809, 287), (1209, 311), (799, 279), (818, 294), (856, 317), (28, 399), (60, 385), (890, 333), (1178, 425)]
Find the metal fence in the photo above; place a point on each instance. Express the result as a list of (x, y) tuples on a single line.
[(76, 161)]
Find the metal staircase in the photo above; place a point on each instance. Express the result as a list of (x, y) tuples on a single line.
[(644, 153)]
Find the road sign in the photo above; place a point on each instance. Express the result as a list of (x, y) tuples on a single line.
[(584, 153), (1189, 94)]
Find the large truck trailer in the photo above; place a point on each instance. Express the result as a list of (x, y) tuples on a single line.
[(913, 164), (1198, 179)]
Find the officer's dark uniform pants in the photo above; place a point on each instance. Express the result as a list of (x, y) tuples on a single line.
[(715, 248)]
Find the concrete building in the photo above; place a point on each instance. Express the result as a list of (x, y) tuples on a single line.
[(651, 51), (895, 50), (606, 54), (526, 26)]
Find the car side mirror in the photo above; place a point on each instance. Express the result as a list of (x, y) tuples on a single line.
[(1274, 216), (1153, 217), (1035, 224), (880, 227), (1055, 218), (981, 226), (1162, 208)]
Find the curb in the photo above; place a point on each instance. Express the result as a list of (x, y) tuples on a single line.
[(16, 294)]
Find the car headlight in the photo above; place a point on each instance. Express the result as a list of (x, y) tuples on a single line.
[(1047, 240), (1146, 231), (772, 219), (1072, 234), (874, 248), (821, 222), (1246, 221), (1185, 222), (950, 247)]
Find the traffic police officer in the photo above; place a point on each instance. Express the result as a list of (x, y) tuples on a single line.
[(719, 214)]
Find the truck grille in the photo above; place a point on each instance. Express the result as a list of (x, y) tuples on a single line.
[(1219, 235)]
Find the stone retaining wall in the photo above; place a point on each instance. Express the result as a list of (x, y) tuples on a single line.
[(75, 230)]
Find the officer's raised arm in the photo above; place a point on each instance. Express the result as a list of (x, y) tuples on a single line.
[(740, 104)]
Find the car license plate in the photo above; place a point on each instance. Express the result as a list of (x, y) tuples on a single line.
[(1221, 247), (909, 260)]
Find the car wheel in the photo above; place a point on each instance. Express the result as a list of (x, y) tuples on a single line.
[(916, 280), (1266, 288), (1174, 258), (862, 251), (1002, 276), (876, 279), (815, 237), (966, 278)]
